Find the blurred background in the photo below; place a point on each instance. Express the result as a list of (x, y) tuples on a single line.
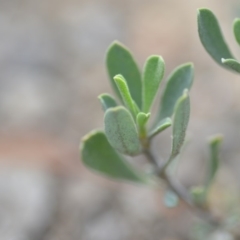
[(51, 72)]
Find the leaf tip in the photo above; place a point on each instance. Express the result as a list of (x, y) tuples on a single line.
[(101, 96), (115, 109), (236, 20), (185, 93), (199, 11), (115, 44), (118, 78), (148, 115), (89, 135), (189, 65), (216, 139), (86, 138), (169, 120), (203, 10), (157, 57)]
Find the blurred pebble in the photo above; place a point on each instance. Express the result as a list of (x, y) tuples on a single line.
[(27, 203)]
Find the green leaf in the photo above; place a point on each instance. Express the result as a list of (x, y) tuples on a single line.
[(98, 155), (181, 78), (170, 199), (107, 101), (232, 64), (152, 77), (142, 119), (211, 36), (236, 29), (214, 144), (126, 95), (180, 122), (198, 195), (121, 131), (165, 123), (119, 60)]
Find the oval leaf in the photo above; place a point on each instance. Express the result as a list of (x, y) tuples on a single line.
[(119, 60), (121, 131), (214, 145), (98, 155), (211, 36), (152, 77), (236, 30), (180, 122), (232, 64), (180, 79), (107, 101)]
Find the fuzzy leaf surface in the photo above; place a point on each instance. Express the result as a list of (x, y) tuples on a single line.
[(119, 60), (107, 101), (165, 123), (180, 123), (121, 131), (142, 119), (236, 29), (152, 77), (181, 78), (214, 145), (211, 36), (232, 64), (126, 95), (98, 154)]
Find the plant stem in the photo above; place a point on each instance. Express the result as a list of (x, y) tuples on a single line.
[(181, 191)]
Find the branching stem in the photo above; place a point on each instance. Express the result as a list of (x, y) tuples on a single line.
[(203, 212)]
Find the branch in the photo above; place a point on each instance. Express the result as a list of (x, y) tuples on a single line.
[(181, 191)]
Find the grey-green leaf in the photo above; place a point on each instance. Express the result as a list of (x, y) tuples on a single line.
[(152, 77), (198, 195), (211, 36), (121, 131), (236, 29), (214, 144), (180, 123), (170, 199), (107, 101), (165, 123), (97, 154), (119, 60), (232, 64), (181, 78), (126, 95), (142, 119)]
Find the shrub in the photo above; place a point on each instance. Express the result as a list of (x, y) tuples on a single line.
[(127, 131)]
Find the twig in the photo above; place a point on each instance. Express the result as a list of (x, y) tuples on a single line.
[(181, 191)]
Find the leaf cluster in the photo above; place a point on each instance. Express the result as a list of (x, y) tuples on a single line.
[(127, 131), (214, 42)]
